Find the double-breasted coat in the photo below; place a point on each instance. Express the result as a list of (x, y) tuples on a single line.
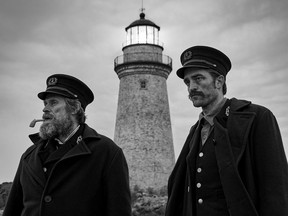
[(251, 162), (91, 179)]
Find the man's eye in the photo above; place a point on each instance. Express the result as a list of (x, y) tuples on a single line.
[(198, 79), (53, 102)]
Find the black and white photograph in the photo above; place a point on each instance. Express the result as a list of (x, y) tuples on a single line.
[(157, 107)]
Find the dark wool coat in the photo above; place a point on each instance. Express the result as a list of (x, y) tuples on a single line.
[(251, 162), (91, 179)]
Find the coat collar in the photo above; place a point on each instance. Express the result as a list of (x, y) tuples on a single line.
[(237, 105)]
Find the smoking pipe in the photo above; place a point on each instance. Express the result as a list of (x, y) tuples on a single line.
[(33, 123)]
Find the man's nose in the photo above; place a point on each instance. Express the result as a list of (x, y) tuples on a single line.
[(46, 108), (192, 86)]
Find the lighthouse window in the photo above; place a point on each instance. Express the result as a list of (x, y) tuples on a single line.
[(142, 34), (150, 35), (143, 84)]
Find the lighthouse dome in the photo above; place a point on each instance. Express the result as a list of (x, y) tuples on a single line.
[(142, 22)]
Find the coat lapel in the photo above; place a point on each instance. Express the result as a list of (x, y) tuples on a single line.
[(238, 124), (241, 125), (80, 149), (229, 147)]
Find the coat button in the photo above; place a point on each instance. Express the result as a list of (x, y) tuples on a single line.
[(200, 201), (201, 154), (199, 170), (45, 169), (198, 185), (47, 199)]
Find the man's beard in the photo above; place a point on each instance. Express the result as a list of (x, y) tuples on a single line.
[(56, 128)]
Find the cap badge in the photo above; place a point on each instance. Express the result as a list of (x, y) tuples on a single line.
[(52, 81), (187, 55)]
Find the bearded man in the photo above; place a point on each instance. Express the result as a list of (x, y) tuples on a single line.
[(70, 169), (233, 161)]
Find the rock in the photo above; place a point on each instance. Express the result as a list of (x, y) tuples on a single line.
[(4, 192)]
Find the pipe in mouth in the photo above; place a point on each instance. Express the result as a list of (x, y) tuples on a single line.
[(33, 122)]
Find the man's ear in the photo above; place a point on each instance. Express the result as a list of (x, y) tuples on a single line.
[(77, 108), (219, 82)]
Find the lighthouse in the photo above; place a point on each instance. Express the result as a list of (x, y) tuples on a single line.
[(143, 124)]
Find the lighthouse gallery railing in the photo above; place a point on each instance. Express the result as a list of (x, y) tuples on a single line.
[(143, 57)]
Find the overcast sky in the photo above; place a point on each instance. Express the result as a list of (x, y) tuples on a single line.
[(39, 38)]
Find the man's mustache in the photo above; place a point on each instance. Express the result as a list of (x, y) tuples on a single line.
[(195, 93), (47, 116)]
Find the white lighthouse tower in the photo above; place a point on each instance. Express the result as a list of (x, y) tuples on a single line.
[(143, 125)]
